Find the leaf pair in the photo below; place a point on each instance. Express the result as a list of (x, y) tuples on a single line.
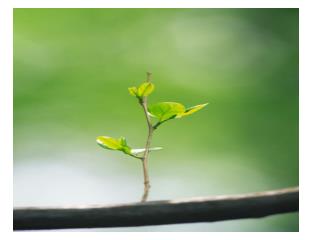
[(164, 111), (144, 90), (121, 145)]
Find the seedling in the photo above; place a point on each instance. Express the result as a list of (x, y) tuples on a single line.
[(156, 114)]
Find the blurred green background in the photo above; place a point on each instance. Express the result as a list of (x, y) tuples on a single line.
[(72, 68)]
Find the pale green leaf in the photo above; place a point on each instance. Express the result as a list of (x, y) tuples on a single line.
[(145, 89), (191, 110), (114, 144), (166, 110), (109, 143)]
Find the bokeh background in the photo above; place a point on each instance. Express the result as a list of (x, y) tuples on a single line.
[(72, 68)]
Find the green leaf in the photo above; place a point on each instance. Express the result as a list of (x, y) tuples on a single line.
[(191, 110), (114, 144), (133, 91), (145, 89), (166, 110), (109, 143), (142, 150)]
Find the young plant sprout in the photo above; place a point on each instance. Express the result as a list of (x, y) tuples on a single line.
[(161, 112)]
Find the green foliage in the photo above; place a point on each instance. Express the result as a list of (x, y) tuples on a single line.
[(144, 90), (114, 144), (162, 111), (165, 110)]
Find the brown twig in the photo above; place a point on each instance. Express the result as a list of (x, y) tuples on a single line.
[(144, 104)]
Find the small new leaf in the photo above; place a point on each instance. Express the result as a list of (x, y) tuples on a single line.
[(109, 143), (133, 91), (166, 110), (145, 89), (114, 144)]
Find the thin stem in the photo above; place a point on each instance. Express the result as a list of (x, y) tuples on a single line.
[(146, 154), (135, 156), (144, 103)]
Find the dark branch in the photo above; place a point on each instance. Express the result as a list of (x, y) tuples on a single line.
[(253, 205)]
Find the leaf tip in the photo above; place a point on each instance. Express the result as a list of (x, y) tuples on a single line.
[(98, 139), (205, 104)]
